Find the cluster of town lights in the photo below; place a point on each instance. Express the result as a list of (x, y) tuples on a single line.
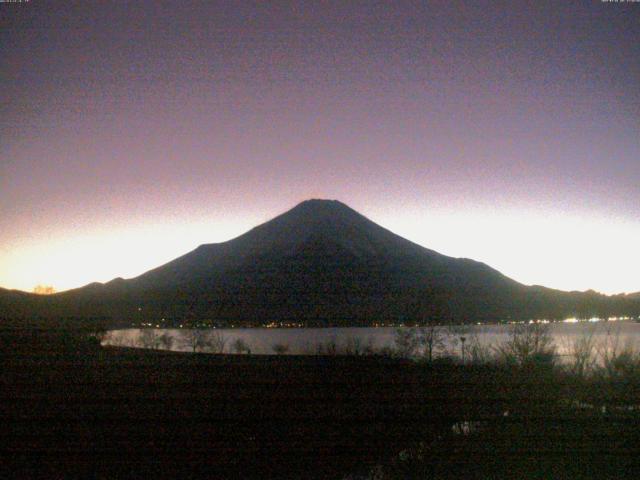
[(207, 324)]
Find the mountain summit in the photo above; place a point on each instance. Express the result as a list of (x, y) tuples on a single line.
[(320, 263), (329, 219)]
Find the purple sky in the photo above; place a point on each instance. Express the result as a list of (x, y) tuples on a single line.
[(507, 132)]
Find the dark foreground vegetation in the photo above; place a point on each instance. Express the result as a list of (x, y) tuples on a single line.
[(70, 408)]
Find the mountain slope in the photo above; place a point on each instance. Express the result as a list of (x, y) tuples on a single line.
[(321, 263)]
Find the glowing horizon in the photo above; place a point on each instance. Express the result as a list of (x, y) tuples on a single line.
[(557, 252)]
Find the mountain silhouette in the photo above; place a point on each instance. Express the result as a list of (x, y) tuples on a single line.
[(319, 264)]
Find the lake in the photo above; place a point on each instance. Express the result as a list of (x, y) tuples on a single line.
[(606, 336)]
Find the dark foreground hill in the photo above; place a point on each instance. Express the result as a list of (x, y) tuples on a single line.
[(321, 263), (126, 413)]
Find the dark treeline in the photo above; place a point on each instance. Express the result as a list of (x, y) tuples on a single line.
[(288, 306)]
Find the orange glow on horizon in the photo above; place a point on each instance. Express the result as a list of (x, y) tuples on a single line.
[(556, 251)]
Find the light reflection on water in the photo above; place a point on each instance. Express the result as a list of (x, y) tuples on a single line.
[(604, 335)]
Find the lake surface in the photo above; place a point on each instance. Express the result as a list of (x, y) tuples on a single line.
[(606, 336)]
